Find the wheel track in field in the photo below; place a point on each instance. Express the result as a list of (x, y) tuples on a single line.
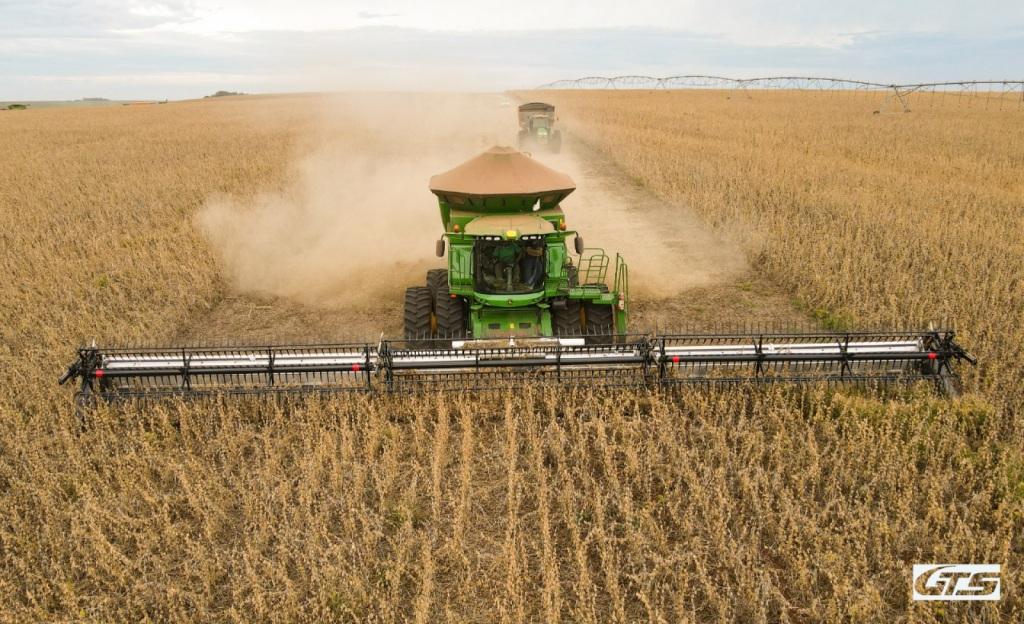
[(683, 275)]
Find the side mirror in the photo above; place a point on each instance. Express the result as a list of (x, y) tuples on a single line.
[(579, 245), (439, 248)]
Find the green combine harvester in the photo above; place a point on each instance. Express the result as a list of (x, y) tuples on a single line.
[(511, 270), (517, 305), (537, 127)]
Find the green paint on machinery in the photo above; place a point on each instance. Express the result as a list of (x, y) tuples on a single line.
[(514, 268), (537, 127)]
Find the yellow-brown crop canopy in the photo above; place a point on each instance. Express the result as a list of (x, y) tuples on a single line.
[(502, 173)]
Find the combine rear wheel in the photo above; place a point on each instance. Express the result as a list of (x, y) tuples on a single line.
[(419, 313), (566, 321), (600, 322)]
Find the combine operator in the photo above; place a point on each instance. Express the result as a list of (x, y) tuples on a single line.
[(533, 265), (513, 267)]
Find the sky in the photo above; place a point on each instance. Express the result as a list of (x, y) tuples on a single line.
[(175, 49)]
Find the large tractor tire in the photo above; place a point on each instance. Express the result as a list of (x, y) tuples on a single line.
[(524, 139), (419, 312), (600, 322), (451, 316), (566, 321), (555, 142), (437, 281)]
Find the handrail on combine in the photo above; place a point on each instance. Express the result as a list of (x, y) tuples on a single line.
[(593, 268), (590, 272), (621, 276)]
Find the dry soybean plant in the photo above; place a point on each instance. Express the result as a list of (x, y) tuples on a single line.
[(764, 505)]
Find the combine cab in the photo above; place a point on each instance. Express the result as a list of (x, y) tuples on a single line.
[(511, 271), (537, 127)]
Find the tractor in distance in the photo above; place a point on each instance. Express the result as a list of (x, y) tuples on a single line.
[(511, 273), (536, 127)]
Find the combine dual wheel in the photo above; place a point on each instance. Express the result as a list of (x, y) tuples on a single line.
[(419, 313), (567, 321), (437, 281), (598, 319), (449, 311), (451, 317), (599, 322), (431, 311)]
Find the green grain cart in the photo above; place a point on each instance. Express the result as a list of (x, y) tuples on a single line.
[(511, 270), (537, 127)]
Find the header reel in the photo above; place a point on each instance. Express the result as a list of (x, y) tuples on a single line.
[(633, 360)]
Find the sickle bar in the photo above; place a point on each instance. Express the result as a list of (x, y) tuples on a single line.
[(641, 361)]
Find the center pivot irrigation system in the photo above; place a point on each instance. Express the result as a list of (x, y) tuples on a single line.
[(998, 93), (517, 304)]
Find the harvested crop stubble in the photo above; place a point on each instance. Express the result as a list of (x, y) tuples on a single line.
[(761, 506)]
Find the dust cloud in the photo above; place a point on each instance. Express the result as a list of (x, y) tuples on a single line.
[(668, 249), (356, 220), (356, 224)]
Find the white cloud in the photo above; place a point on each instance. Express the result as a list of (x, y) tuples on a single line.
[(179, 48), (165, 79), (370, 15), (784, 22), (98, 18)]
